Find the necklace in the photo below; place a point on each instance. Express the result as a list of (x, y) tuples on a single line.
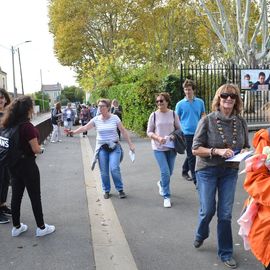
[(222, 135)]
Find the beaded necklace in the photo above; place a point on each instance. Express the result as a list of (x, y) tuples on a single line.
[(222, 135)]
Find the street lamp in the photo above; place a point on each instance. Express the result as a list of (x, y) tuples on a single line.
[(13, 48)]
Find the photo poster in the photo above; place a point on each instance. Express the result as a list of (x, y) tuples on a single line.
[(253, 77)]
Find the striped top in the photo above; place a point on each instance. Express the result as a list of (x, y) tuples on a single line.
[(106, 129)]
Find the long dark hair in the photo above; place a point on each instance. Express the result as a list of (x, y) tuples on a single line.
[(4, 93), (17, 111)]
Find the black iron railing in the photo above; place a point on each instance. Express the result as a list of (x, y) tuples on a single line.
[(209, 78)]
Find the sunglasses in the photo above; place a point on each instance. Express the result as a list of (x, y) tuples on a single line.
[(159, 100), (226, 95)]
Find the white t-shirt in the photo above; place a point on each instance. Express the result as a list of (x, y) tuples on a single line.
[(106, 129)]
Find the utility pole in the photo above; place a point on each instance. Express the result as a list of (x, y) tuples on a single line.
[(19, 56), (13, 70)]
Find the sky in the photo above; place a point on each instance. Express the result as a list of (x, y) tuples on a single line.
[(28, 20)]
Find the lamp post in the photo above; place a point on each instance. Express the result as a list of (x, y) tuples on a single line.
[(20, 65), (13, 48)]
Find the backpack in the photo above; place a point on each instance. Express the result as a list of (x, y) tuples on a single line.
[(178, 138), (10, 151)]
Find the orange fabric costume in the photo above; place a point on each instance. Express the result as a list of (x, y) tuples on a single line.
[(257, 184)]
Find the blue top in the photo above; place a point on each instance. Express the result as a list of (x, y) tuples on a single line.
[(189, 112)]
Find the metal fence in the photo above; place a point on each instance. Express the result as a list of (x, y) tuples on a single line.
[(208, 78)]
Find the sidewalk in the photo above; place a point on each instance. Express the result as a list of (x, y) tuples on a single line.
[(162, 238), (132, 233), (64, 205)]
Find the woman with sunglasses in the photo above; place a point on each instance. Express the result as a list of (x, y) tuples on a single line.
[(219, 136), (161, 123)]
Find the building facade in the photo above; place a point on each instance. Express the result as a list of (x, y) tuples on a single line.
[(53, 90), (3, 79)]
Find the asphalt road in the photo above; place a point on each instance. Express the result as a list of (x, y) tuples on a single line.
[(162, 238), (158, 238)]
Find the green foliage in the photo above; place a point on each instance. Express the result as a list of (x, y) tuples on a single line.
[(41, 95), (44, 105), (136, 93), (72, 94), (172, 85)]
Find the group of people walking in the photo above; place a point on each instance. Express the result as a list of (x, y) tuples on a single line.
[(211, 139)]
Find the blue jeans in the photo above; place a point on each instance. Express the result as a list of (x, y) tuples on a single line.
[(189, 163), (110, 161), (222, 181), (165, 160)]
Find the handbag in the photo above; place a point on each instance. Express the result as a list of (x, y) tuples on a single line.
[(179, 140)]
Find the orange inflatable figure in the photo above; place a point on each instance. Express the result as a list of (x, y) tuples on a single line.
[(257, 184)]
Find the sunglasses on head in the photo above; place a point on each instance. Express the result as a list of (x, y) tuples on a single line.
[(226, 95), (159, 100)]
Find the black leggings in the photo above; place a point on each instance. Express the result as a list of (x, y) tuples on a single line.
[(4, 183), (26, 175), (268, 267)]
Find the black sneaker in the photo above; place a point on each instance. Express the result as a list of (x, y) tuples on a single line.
[(122, 194), (106, 195), (186, 176), (197, 243), (3, 219), (5, 210)]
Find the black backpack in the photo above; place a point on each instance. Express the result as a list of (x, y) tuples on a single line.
[(10, 151)]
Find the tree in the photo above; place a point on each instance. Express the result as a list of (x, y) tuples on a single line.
[(72, 94), (123, 34), (241, 27), (41, 95)]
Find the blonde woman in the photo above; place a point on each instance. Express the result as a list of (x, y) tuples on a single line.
[(219, 135)]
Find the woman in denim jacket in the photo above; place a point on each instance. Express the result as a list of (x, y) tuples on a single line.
[(219, 136)]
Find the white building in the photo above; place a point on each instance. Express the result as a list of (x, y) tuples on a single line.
[(3, 79), (53, 90)]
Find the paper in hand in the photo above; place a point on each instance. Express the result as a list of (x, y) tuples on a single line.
[(239, 157), (132, 155)]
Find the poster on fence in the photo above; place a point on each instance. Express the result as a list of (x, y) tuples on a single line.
[(251, 77)]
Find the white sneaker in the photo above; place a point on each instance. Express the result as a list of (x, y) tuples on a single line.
[(52, 141), (16, 232), (167, 203), (160, 191), (59, 140), (48, 229)]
